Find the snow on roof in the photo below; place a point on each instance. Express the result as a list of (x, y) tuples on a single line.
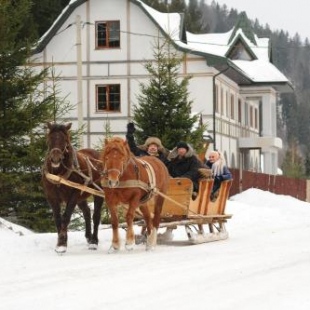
[(218, 44), (260, 71), (211, 43), (169, 22)]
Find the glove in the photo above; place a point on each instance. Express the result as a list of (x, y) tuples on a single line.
[(131, 128), (218, 178)]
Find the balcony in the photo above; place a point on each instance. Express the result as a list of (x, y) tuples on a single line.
[(260, 143)]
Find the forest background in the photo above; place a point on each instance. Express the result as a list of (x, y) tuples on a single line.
[(20, 192)]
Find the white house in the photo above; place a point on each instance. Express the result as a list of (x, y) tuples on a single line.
[(98, 48)]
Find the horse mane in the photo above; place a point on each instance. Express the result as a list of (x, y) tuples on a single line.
[(64, 128), (119, 144)]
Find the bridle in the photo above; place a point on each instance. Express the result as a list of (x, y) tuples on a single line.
[(120, 171), (59, 151)]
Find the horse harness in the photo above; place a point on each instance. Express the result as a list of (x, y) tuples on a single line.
[(149, 187), (75, 167)]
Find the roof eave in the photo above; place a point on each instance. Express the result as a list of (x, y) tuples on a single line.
[(55, 27)]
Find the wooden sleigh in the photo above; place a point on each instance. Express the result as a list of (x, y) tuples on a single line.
[(180, 209), (195, 214)]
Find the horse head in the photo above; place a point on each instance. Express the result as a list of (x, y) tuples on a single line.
[(58, 141), (116, 156)]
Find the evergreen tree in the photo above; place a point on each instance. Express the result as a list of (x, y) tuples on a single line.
[(164, 109), (23, 110), (193, 17), (178, 6), (159, 5), (307, 165), (293, 165), (45, 12)]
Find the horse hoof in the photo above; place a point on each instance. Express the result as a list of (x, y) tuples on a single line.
[(129, 247), (112, 250), (93, 246), (140, 239), (149, 248), (61, 249)]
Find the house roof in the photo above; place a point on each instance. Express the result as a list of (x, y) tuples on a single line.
[(51, 32), (214, 47)]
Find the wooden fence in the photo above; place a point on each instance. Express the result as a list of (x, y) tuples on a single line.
[(278, 184)]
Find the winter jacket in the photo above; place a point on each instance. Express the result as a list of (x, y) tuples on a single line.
[(185, 167), (219, 177)]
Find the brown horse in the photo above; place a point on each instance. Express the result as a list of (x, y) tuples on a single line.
[(82, 167), (132, 181)]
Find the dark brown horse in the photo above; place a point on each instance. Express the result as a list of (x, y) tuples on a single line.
[(82, 167), (132, 181)]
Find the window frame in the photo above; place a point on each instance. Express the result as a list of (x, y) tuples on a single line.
[(232, 106), (108, 100), (107, 29)]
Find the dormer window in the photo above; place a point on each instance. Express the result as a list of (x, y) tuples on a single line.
[(239, 52)]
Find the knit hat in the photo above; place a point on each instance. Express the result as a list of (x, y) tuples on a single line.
[(183, 145)]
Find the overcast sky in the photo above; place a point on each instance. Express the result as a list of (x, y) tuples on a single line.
[(291, 16)]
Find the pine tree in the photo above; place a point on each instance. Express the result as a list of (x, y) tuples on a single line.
[(293, 165), (45, 12), (164, 109), (23, 111)]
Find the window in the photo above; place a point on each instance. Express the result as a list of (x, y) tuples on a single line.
[(108, 34), (108, 98), (239, 111), (216, 99), (226, 105), (246, 114), (232, 106), (256, 119), (222, 101), (239, 53), (251, 117)]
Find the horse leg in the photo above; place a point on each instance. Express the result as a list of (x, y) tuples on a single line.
[(151, 233), (57, 218), (158, 202), (130, 234), (63, 234), (87, 218), (61, 241), (152, 238), (115, 246), (98, 202)]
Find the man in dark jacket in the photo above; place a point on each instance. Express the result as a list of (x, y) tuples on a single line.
[(151, 147), (184, 164)]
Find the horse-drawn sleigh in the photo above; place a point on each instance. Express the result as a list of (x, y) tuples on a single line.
[(142, 186)]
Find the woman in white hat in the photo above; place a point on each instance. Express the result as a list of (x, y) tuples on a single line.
[(220, 172)]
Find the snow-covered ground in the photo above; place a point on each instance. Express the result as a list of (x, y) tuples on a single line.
[(264, 264)]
